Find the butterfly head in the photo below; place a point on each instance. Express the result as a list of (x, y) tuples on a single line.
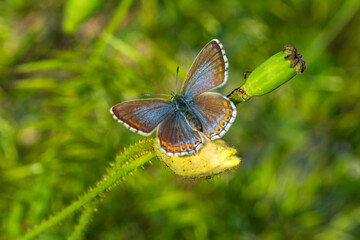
[(174, 96)]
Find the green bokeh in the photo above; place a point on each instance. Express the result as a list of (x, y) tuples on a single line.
[(300, 174)]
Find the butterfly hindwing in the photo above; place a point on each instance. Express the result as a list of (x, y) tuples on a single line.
[(215, 112), (142, 116), (176, 138), (209, 70)]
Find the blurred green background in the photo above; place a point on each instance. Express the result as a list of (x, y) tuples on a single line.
[(63, 64)]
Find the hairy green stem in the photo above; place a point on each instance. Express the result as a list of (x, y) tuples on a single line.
[(141, 153), (146, 145), (84, 220)]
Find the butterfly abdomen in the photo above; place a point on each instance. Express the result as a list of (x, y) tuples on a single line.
[(183, 106)]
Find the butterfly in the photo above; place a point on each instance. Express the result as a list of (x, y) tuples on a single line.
[(191, 118)]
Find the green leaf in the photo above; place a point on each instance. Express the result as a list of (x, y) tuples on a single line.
[(77, 12)]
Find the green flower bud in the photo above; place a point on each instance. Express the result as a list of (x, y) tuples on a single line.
[(213, 158), (270, 75)]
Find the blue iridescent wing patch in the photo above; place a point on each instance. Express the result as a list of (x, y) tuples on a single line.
[(215, 112), (142, 116), (209, 70), (176, 138)]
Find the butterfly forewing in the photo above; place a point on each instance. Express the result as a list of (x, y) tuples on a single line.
[(209, 70), (142, 116), (215, 112), (176, 138)]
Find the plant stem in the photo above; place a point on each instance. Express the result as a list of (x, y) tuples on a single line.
[(84, 220), (114, 176)]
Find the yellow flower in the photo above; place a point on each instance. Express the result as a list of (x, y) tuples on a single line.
[(215, 157)]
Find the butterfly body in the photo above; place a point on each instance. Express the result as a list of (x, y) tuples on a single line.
[(191, 118), (185, 108)]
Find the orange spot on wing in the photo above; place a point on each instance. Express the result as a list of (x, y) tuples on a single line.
[(222, 123), (183, 147), (218, 61), (217, 129), (176, 149), (225, 103), (227, 111), (226, 117), (189, 145), (220, 69), (134, 124), (163, 143), (170, 148)]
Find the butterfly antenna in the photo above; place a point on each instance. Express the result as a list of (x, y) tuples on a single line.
[(177, 73), (149, 95)]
